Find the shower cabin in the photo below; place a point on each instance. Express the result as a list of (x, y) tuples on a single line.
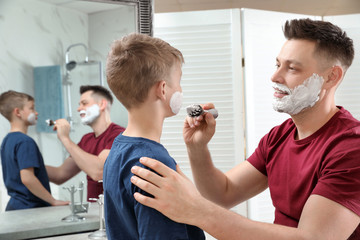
[(79, 70)]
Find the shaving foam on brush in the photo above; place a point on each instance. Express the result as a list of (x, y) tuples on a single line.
[(195, 110), (50, 122)]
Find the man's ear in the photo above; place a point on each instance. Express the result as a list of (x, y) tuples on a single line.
[(103, 104), (161, 89), (335, 76)]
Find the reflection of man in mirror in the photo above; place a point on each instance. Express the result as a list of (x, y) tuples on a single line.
[(90, 153)]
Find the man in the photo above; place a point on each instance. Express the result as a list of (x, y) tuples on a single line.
[(311, 162), (90, 153)]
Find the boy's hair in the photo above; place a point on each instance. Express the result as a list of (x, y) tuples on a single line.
[(98, 90), (10, 100), (135, 63), (332, 43)]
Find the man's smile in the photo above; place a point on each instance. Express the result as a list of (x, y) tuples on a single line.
[(280, 93)]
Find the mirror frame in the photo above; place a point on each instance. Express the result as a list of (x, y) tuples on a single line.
[(144, 13)]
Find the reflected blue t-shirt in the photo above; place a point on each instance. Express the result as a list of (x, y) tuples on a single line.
[(19, 151), (125, 218)]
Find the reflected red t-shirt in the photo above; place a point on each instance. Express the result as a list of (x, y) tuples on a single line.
[(327, 163), (95, 145)]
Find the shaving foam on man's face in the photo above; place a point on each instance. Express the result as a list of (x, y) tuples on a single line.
[(302, 96), (176, 102), (89, 115)]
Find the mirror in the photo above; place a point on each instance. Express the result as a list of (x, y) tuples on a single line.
[(36, 33), (142, 8)]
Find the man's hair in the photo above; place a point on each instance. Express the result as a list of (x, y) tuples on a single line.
[(332, 43), (98, 90), (10, 100), (135, 63)]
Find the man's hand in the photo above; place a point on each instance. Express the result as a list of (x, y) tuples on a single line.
[(198, 131), (62, 127), (174, 195)]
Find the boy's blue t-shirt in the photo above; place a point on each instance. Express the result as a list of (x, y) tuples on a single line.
[(126, 218), (19, 151)]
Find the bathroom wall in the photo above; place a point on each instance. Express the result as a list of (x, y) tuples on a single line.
[(118, 22), (35, 33)]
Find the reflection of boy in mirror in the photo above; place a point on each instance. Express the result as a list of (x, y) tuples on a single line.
[(90, 153), (144, 74), (23, 167)]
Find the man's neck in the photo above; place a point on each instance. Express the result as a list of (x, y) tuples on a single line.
[(312, 119), (100, 125)]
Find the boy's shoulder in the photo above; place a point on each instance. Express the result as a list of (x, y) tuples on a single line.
[(17, 137), (138, 144), (135, 147)]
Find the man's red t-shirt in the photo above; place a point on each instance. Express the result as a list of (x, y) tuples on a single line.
[(327, 163), (94, 145)]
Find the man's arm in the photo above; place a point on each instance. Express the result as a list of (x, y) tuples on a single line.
[(177, 198), (237, 185), (91, 164), (30, 181), (227, 190), (64, 172)]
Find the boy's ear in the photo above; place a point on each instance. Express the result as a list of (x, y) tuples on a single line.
[(16, 112), (161, 90)]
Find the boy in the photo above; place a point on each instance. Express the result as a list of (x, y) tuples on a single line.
[(24, 173), (144, 74)]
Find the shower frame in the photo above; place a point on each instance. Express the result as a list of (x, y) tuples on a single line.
[(69, 66)]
